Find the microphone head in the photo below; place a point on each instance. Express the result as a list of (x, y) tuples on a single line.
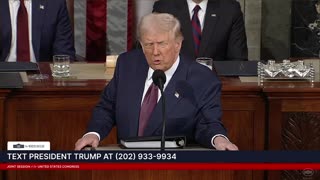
[(159, 78)]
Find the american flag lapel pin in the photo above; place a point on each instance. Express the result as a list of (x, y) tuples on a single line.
[(176, 94), (41, 6)]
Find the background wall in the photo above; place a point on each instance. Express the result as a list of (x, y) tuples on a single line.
[(275, 31), (252, 17), (143, 7)]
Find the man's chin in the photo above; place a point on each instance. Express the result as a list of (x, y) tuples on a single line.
[(159, 67)]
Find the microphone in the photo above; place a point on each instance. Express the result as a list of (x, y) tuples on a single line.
[(159, 79)]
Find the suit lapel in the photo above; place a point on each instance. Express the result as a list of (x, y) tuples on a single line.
[(5, 29), (141, 71), (211, 18), (184, 18), (38, 14), (155, 122)]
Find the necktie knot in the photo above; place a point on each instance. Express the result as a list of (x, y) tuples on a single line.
[(22, 4), (196, 9)]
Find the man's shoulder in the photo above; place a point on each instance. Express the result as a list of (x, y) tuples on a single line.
[(132, 53), (56, 4), (58, 1), (198, 77), (132, 56)]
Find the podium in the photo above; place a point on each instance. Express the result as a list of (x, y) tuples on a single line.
[(116, 147)]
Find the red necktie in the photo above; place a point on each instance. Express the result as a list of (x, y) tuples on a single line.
[(23, 50), (149, 103), (196, 29)]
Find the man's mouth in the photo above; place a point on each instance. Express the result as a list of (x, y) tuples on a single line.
[(156, 62)]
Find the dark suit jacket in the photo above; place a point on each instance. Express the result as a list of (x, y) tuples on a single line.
[(51, 29), (195, 113), (223, 35)]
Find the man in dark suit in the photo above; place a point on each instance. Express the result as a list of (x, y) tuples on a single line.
[(192, 92), (222, 34), (49, 28)]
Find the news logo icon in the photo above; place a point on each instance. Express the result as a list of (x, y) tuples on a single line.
[(28, 145), (18, 146)]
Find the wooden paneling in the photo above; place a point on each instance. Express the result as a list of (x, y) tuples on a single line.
[(3, 94), (244, 118), (300, 174), (171, 175), (294, 123), (301, 131), (49, 175), (232, 120), (58, 120), (249, 114)]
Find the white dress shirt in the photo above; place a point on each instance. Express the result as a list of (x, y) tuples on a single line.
[(201, 12), (14, 7)]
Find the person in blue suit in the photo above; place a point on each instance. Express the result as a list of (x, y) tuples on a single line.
[(222, 25), (192, 91), (50, 30)]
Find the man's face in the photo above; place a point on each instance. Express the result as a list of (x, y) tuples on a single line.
[(160, 48)]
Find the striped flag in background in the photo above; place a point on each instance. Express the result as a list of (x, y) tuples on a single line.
[(103, 27)]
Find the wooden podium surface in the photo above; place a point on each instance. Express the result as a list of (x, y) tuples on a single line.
[(256, 117)]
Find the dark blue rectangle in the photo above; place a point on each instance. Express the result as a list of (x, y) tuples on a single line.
[(163, 156)]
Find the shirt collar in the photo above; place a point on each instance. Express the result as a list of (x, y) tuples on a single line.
[(169, 73), (191, 5)]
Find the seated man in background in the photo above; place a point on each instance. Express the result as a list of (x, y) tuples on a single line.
[(33, 30), (192, 92), (211, 28)]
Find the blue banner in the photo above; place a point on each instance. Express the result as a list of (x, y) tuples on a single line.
[(161, 156)]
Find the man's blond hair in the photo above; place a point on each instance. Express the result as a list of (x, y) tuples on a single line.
[(163, 22)]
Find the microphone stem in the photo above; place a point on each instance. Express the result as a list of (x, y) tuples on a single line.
[(163, 120)]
